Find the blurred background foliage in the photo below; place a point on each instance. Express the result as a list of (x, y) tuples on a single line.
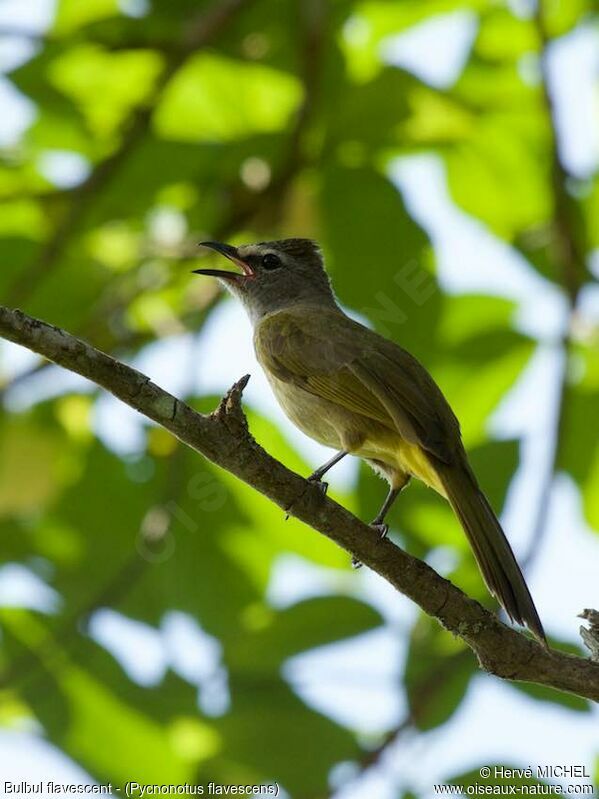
[(157, 124)]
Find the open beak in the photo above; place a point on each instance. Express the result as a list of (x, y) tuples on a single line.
[(232, 254)]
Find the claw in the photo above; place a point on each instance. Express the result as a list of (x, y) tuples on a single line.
[(381, 528), (322, 486)]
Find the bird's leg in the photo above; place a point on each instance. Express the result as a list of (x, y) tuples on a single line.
[(379, 520), (378, 523), (316, 476)]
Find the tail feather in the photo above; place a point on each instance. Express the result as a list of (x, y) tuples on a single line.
[(490, 546)]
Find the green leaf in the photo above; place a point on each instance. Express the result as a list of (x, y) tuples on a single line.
[(218, 99), (437, 674), (70, 14), (590, 206), (376, 20), (386, 99), (545, 694), (273, 636), (476, 375), (16, 252), (503, 36), (76, 708), (495, 176), (404, 301), (265, 532), (284, 728), (579, 454), (34, 463), (90, 76), (467, 316), (560, 18)]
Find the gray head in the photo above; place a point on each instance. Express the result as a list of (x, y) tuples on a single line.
[(274, 275)]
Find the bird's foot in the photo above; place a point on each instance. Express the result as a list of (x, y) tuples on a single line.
[(381, 528), (320, 484), (316, 480)]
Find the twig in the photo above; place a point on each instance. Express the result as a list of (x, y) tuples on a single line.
[(224, 439), (590, 635)]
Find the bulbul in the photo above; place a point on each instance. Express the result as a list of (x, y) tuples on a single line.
[(357, 392)]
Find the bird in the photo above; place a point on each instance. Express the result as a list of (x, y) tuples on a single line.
[(357, 392)]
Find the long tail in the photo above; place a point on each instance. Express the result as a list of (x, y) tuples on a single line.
[(491, 548)]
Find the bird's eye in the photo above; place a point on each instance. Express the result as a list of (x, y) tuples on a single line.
[(271, 261)]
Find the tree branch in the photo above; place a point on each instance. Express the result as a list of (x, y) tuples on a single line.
[(223, 437)]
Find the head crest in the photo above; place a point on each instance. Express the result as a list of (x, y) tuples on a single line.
[(296, 248)]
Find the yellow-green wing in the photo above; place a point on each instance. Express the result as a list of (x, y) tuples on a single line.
[(335, 358)]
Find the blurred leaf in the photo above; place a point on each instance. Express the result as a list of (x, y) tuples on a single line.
[(32, 77), (560, 18), (19, 179), (504, 36), (272, 637), (495, 464), (266, 533), (350, 118), (497, 176), (437, 675), (285, 727), (468, 316), (62, 297), (216, 99), (70, 14), (437, 119), (376, 20), (16, 254), (33, 464), (590, 207), (476, 375), (544, 694), (21, 218), (90, 76), (579, 454), (89, 709), (403, 301)]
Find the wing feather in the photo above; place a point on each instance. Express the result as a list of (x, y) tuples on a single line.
[(333, 357)]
